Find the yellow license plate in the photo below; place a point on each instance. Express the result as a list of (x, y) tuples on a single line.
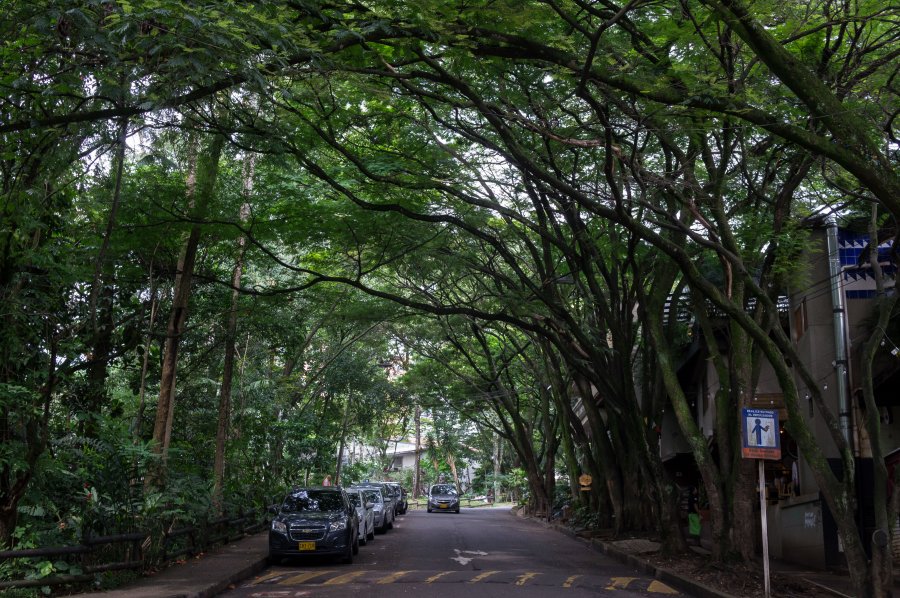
[(306, 546), (444, 506)]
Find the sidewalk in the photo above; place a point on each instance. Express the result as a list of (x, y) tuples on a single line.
[(202, 577), (820, 583)]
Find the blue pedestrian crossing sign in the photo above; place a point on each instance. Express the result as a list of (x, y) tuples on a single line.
[(760, 436)]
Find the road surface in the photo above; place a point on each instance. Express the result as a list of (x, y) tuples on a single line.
[(477, 553)]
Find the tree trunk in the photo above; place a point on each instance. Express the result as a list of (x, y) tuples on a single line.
[(205, 170), (344, 423), (881, 566), (14, 483), (496, 459), (102, 301), (230, 342), (145, 361), (708, 470), (603, 453)]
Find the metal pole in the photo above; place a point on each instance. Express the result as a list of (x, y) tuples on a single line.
[(841, 365), (765, 524)]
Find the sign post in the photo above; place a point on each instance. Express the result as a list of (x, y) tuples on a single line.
[(761, 440)]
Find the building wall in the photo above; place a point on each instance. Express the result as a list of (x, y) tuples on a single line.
[(798, 533)]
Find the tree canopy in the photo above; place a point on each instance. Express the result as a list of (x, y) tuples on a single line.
[(221, 222)]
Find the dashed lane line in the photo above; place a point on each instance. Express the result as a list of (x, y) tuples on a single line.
[(620, 583), (434, 578), (265, 578), (482, 576), (548, 579), (658, 587), (344, 579), (392, 577), (302, 578)]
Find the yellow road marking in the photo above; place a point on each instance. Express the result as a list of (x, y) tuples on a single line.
[(568, 583), (264, 578), (303, 577), (620, 583), (660, 588), (438, 576), (481, 576), (392, 577), (345, 578), (524, 578)]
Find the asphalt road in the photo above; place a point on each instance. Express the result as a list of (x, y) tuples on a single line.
[(475, 554)]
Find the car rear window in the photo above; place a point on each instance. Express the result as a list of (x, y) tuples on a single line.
[(312, 501)]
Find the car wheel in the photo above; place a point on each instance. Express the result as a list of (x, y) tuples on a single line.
[(365, 538), (429, 509), (272, 560), (390, 524), (356, 544), (371, 535), (457, 510), (348, 555)]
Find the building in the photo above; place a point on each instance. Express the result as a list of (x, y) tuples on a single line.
[(829, 315)]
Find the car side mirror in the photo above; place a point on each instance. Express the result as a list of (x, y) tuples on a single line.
[(370, 505)]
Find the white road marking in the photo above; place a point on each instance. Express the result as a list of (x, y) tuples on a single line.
[(463, 560)]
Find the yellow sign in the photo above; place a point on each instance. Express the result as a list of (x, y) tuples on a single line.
[(585, 479)]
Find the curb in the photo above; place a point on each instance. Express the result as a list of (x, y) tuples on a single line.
[(233, 578), (669, 577)]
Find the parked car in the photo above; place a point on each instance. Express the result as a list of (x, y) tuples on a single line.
[(317, 520), (365, 510), (380, 509), (443, 497), (400, 501), (389, 504)]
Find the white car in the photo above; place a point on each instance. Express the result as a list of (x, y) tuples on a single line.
[(365, 510)]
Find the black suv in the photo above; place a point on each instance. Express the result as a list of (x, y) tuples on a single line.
[(318, 520)]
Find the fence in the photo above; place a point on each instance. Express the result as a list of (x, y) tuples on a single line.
[(131, 551)]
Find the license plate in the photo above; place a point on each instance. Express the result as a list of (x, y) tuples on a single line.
[(444, 506), (306, 546)]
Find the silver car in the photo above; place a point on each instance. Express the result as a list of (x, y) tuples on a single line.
[(443, 497), (383, 513), (365, 510), (391, 501)]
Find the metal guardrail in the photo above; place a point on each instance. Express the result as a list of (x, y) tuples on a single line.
[(175, 542)]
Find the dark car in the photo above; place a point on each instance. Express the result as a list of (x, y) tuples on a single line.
[(400, 502), (314, 521), (443, 497)]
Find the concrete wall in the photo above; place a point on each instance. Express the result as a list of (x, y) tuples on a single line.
[(796, 533)]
